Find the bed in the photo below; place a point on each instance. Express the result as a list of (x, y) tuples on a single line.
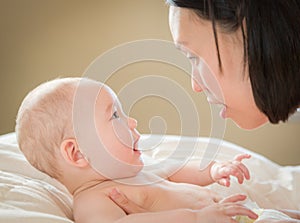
[(27, 195)]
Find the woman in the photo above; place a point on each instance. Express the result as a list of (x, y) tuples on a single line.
[(252, 50)]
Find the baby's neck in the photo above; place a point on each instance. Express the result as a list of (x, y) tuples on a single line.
[(85, 186), (86, 182), (78, 181), (142, 178)]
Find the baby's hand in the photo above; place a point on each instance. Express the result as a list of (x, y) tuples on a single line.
[(221, 172)]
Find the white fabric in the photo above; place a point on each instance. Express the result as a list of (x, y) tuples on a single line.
[(27, 195), (271, 185)]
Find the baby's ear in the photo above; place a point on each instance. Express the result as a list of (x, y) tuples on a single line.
[(71, 153)]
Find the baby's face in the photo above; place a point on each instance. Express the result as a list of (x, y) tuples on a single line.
[(105, 135), (116, 131)]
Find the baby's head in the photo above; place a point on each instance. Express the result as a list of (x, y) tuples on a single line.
[(45, 128), (44, 120)]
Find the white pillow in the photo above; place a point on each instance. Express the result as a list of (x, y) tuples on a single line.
[(26, 194)]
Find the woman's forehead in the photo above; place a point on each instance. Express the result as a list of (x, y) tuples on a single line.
[(186, 27)]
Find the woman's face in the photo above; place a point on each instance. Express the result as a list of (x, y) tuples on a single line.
[(230, 88)]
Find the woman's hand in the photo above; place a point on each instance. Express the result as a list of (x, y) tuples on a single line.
[(123, 202), (224, 213), (208, 197), (130, 207), (225, 210), (221, 172)]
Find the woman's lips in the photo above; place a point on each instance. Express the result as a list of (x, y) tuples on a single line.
[(216, 102), (223, 112)]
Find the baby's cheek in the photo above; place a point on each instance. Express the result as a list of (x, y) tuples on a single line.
[(123, 133)]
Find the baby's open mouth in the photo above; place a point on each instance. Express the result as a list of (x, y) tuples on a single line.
[(135, 146)]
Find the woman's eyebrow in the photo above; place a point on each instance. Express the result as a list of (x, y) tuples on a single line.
[(180, 44)]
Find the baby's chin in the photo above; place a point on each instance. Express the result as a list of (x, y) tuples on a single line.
[(137, 168), (129, 176), (132, 169)]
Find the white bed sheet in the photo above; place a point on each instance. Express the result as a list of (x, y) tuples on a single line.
[(27, 195)]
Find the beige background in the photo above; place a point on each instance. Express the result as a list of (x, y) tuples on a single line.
[(41, 40)]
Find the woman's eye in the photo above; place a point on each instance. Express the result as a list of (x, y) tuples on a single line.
[(115, 115), (192, 58)]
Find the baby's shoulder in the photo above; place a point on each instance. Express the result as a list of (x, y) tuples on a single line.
[(94, 193), (89, 196), (94, 203)]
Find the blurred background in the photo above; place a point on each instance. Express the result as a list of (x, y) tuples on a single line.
[(44, 39)]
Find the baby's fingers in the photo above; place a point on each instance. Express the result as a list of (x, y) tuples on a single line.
[(224, 182), (240, 157), (243, 169), (233, 170)]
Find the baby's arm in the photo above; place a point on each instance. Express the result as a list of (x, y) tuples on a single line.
[(214, 172), (95, 208)]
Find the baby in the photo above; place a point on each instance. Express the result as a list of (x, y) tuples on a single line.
[(58, 139)]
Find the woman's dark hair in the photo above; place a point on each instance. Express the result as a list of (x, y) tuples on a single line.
[(271, 47)]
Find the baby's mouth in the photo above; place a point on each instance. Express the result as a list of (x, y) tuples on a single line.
[(135, 146)]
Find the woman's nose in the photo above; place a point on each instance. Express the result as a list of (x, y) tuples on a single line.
[(196, 85), (195, 78)]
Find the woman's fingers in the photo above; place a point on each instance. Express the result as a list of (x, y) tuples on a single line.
[(232, 208), (234, 198), (225, 212), (237, 209), (123, 202)]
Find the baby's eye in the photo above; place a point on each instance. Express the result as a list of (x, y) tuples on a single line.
[(115, 115)]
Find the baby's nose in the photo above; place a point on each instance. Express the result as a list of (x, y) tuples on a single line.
[(132, 123)]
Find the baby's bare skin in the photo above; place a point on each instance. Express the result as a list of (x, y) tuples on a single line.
[(160, 196), (175, 198)]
